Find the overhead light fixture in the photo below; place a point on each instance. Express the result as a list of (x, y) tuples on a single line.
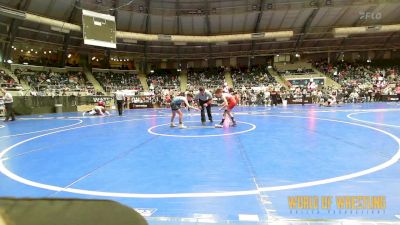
[(180, 43), (69, 56), (151, 71), (257, 35), (94, 57), (13, 13), (9, 61), (297, 55), (222, 43), (127, 40), (345, 31), (60, 29), (313, 3)]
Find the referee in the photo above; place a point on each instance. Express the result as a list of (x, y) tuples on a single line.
[(204, 99), (8, 103), (120, 97)]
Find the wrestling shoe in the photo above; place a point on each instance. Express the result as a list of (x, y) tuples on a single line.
[(181, 126), (172, 125)]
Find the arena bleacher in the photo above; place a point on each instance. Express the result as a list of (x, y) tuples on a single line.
[(211, 79), (163, 80), (113, 80)]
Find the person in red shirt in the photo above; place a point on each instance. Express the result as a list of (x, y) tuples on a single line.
[(229, 103)]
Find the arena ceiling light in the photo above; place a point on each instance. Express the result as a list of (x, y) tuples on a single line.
[(180, 43), (125, 36), (13, 13), (60, 29), (346, 31)]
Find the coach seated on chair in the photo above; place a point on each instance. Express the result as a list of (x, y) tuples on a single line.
[(204, 99)]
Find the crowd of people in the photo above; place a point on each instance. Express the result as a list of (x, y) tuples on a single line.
[(253, 86), (362, 82), (209, 78), (299, 71), (254, 77), (50, 83), (5, 78), (112, 81), (163, 79)]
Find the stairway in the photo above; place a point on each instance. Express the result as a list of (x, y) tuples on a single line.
[(228, 79), (143, 80), (278, 78), (23, 82), (329, 82), (89, 76), (183, 78)]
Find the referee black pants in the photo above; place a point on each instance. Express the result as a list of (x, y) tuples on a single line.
[(203, 116), (9, 111), (120, 105)]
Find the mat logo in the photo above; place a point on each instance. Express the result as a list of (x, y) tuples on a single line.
[(370, 16), (146, 212), (104, 99), (337, 202)]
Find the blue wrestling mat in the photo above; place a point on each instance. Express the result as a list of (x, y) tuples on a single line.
[(289, 165)]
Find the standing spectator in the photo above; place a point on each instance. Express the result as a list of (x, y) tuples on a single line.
[(274, 97), (120, 97), (8, 103), (204, 99), (398, 92), (303, 96)]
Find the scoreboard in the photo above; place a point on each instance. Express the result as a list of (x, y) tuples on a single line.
[(98, 29)]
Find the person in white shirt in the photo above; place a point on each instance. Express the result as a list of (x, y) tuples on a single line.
[(120, 98), (204, 99), (8, 104)]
